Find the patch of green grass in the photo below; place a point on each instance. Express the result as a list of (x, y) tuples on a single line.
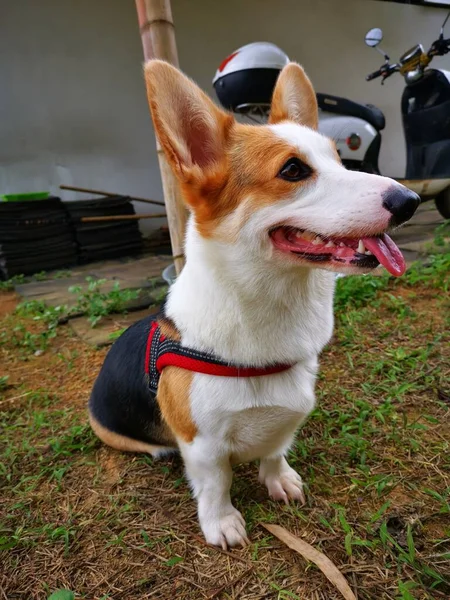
[(38, 432), (406, 553), (284, 594), (9, 284), (39, 311), (442, 497), (33, 341), (96, 304), (114, 335), (91, 302), (433, 273), (62, 275), (360, 291), (159, 292), (42, 447), (23, 338)]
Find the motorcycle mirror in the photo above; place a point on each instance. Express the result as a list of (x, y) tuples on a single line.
[(373, 37), (443, 25)]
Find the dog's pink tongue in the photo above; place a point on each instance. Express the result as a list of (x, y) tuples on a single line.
[(387, 253)]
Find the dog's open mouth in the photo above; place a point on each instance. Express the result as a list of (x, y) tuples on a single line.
[(366, 253)]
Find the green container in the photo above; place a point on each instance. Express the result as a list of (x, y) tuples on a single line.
[(25, 197)]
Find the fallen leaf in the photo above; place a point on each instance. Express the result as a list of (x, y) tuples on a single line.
[(330, 571)]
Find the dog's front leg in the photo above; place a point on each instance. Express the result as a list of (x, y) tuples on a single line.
[(210, 475), (282, 482)]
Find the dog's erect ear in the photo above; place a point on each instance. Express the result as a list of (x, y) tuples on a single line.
[(294, 98), (190, 127)]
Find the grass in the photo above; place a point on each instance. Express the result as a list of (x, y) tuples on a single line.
[(96, 304), (82, 519), (9, 284), (34, 323)]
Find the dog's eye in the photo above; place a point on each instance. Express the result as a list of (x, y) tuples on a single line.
[(294, 170)]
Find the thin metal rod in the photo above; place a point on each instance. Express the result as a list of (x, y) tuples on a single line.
[(122, 218), (110, 194)]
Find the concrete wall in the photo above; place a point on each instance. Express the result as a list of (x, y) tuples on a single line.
[(72, 100), (325, 36), (73, 108)]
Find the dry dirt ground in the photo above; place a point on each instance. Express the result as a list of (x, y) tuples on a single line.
[(375, 454)]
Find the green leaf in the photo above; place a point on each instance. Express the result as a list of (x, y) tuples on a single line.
[(404, 588), (116, 334), (384, 535), (410, 541), (380, 511), (146, 538), (348, 544), (344, 523), (7, 543), (174, 560), (62, 595)]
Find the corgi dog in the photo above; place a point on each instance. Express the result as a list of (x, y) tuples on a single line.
[(226, 372)]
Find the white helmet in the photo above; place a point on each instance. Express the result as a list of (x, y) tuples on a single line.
[(248, 75)]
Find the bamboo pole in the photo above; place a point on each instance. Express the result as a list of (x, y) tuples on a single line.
[(121, 218), (158, 41), (74, 188)]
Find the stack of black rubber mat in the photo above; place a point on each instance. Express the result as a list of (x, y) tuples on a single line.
[(100, 240), (35, 236)]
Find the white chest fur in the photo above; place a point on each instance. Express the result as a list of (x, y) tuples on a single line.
[(249, 311), (250, 314), (253, 417)]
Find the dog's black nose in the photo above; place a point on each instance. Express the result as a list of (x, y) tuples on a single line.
[(401, 203)]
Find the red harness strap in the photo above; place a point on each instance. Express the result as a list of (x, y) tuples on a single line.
[(163, 352)]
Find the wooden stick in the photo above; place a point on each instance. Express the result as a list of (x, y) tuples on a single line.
[(110, 194), (122, 218), (158, 41)]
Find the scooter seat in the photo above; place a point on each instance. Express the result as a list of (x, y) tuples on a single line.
[(342, 106)]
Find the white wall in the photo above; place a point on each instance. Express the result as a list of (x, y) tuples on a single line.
[(73, 108), (325, 36), (72, 101)]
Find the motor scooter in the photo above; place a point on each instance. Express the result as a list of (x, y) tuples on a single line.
[(244, 83), (425, 107), (245, 80)]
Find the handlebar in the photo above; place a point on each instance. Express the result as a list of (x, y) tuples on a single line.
[(384, 72), (374, 75), (439, 47)]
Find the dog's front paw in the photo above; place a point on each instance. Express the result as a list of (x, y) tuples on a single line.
[(227, 531), (284, 485)]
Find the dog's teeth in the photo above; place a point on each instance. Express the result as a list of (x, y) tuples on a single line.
[(299, 234), (361, 247), (368, 253), (316, 241), (330, 244), (341, 244)]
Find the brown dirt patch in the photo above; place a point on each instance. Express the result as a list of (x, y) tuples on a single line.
[(8, 302)]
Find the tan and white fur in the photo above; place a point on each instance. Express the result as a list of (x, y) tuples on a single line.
[(239, 296)]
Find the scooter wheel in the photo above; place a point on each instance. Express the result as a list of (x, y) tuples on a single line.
[(443, 203)]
